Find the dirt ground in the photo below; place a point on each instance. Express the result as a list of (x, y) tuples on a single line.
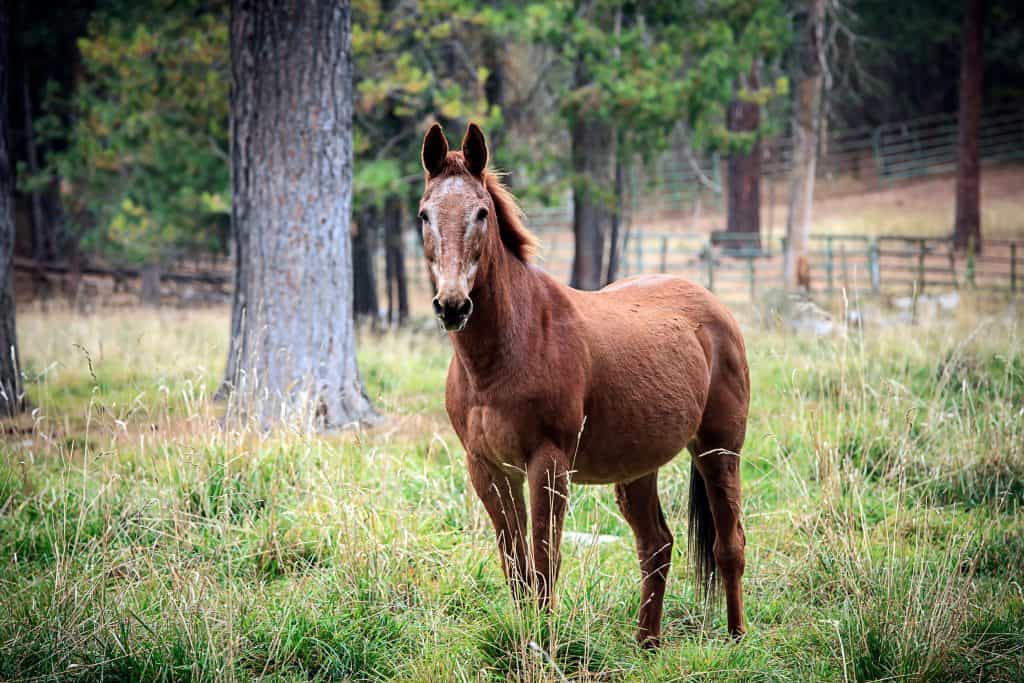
[(920, 207)]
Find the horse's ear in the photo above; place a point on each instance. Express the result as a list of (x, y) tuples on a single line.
[(474, 149), (435, 150)]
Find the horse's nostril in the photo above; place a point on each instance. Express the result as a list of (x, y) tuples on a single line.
[(453, 314)]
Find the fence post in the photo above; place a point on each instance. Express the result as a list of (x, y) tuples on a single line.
[(664, 253), (844, 267), (787, 264), (970, 262), (952, 266), (709, 264), (752, 275), (829, 266), (876, 146), (873, 265), (639, 254), (716, 177), (920, 265), (1013, 267)]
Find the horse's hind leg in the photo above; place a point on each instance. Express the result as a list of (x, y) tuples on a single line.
[(639, 503), (717, 460)]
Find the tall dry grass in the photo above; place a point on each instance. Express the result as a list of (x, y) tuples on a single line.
[(141, 539)]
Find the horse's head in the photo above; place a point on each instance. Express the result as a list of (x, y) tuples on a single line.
[(457, 214)]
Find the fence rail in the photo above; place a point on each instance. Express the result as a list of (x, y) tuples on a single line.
[(890, 152), (865, 264)]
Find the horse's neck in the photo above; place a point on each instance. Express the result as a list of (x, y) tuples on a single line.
[(498, 330)]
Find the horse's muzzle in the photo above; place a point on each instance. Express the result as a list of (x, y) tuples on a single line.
[(453, 313)]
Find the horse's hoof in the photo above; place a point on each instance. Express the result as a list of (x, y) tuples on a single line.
[(648, 642)]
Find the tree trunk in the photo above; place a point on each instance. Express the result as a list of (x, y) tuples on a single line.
[(364, 280), (615, 246), (967, 227), (292, 353), (43, 249), (744, 172), (494, 84), (592, 140), (11, 399), (806, 121), (394, 249)]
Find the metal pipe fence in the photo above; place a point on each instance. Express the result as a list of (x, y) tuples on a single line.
[(739, 272), (887, 153)]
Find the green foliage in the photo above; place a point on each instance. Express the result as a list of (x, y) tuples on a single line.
[(728, 39), (141, 144), (145, 171), (649, 66), (414, 64)]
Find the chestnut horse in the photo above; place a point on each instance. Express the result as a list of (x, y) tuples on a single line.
[(550, 383)]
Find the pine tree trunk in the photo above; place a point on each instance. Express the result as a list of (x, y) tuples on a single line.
[(494, 85), (967, 226), (292, 353), (744, 172), (615, 245), (591, 154), (11, 400), (364, 280), (42, 247), (806, 121), (394, 249)]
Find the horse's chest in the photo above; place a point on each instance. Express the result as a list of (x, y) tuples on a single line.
[(502, 436)]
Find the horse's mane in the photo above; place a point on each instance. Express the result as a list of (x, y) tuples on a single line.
[(516, 237)]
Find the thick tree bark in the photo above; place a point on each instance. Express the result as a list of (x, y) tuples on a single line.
[(394, 256), (364, 280), (292, 353), (592, 140), (806, 124), (744, 171), (11, 399), (967, 226)]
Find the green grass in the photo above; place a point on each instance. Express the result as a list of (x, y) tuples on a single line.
[(141, 540)]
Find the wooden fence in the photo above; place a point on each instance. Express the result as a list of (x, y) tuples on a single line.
[(729, 266), (893, 265)]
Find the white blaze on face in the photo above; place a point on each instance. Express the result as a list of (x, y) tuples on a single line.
[(453, 233)]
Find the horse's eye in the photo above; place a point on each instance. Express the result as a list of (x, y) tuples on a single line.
[(481, 215), (423, 216)]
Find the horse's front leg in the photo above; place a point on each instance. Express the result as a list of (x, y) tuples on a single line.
[(548, 474), (502, 496)]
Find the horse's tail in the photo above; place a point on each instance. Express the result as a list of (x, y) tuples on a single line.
[(701, 533)]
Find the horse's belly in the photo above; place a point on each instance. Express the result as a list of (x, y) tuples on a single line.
[(645, 404), (628, 438)]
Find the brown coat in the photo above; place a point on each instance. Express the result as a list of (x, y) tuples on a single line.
[(549, 384)]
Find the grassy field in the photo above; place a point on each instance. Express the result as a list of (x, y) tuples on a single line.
[(140, 540)]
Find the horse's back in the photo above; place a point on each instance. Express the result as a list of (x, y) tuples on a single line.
[(662, 349)]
